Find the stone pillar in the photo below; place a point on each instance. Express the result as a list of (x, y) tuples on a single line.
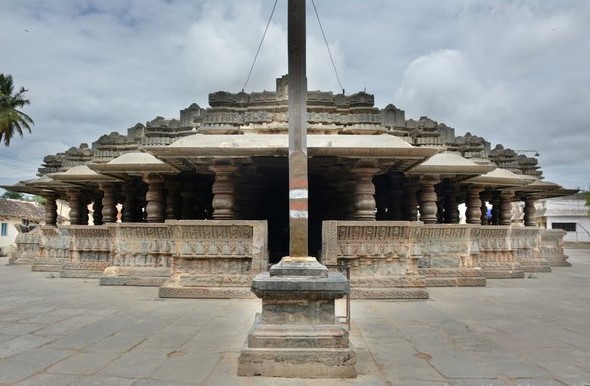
[(51, 209), (129, 211), (451, 211), (410, 202), (155, 197), (364, 199), (505, 215), (529, 211), (474, 205), (109, 202), (173, 207), (427, 199), (97, 208), (74, 198), (223, 192)]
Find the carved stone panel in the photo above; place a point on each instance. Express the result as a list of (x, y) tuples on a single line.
[(552, 247), (215, 258), (381, 256)]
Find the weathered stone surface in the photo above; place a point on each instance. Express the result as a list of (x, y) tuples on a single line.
[(449, 256), (526, 242), (552, 247), (381, 255), (217, 258), (496, 256), (297, 363), (141, 255), (298, 334)]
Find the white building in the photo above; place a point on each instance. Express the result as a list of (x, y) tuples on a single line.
[(569, 213), (15, 212)]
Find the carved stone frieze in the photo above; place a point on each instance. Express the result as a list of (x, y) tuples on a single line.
[(552, 247), (215, 258), (449, 255), (379, 255)]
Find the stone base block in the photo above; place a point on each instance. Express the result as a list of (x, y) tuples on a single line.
[(20, 260), (503, 274), (80, 274), (135, 276), (560, 264), (389, 293), (46, 267), (83, 270), (167, 291), (535, 266), (297, 363), (453, 277)]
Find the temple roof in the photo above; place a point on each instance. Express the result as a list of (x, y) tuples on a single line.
[(386, 146), (134, 163), (449, 163)]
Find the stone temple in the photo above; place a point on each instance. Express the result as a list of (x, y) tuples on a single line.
[(199, 204)]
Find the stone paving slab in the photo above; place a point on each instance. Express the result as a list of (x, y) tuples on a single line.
[(514, 332)]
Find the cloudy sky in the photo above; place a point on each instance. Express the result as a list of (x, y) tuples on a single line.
[(514, 72)]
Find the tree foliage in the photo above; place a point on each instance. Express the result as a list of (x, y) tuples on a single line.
[(13, 195), (12, 120)]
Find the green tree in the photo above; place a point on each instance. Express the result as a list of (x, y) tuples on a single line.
[(13, 195), (12, 120)]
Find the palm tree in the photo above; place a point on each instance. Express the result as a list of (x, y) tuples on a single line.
[(12, 120)]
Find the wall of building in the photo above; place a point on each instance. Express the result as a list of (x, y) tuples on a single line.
[(567, 213), (7, 240)]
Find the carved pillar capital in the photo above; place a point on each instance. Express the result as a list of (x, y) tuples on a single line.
[(364, 193), (223, 191), (427, 199)]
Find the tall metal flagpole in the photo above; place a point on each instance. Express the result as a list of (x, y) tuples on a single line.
[(298, 180)]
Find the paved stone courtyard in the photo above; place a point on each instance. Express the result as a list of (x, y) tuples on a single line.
[(526, 332)]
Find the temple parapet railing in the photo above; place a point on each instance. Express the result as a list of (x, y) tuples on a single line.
[(216, 259), (526, 243), (90, 251), (450, 255), (141, 254), (552, 247), (27, 245), (496, 256), (382, 257), (54, 249)]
